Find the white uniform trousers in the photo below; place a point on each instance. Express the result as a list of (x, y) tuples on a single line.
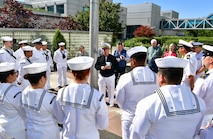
[(109, 83), (62, 69), (48, 72), (126, 120)]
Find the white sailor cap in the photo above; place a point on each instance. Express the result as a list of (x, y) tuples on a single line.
[(136, 49), (105, 45), (61, 44), (197, 44), (7, 38), (80, 63), (27, 48), (35, 68), (37, 41), (23, 42), (208, 50), (184, 43), (44, 43), (171, 62), (6, 66)]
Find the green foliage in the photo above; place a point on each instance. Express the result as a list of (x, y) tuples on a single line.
[(199, 33), (108, 17), (83, 19), (58, 37), (166, 40)]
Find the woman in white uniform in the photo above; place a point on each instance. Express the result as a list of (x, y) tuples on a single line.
[(84, 107), (42, 112), (12, 117), (173, 112), (28, 52)]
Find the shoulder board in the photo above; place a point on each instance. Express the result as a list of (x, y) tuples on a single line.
[(204, 76), (187, 56)]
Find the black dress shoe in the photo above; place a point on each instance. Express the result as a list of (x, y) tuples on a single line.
[(52, 89)]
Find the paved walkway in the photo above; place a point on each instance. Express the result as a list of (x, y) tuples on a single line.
[(114, 129)]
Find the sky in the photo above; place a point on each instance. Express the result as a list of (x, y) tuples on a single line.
[(185, 8)]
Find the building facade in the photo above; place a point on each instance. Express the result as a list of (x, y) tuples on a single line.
[(63, 7)]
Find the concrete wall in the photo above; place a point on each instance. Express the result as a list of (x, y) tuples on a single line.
[(144, 14), (73, 38)]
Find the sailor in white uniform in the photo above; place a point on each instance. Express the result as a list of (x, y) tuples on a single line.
[(38, 55), (42, 112), (7, 53), (204, 84), (49, 61), (12, 116), (197, 46), (19, 54), (28, 52), (60, 58), (173, 112), (84, 107), (134, 86), (191, 67)]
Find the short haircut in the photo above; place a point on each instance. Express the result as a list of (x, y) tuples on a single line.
[(80, 75), (139, 57), (81, 46), (153, 40), (172, 75), (34, 78)]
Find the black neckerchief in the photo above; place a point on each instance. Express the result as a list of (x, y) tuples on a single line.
[(10, 53)]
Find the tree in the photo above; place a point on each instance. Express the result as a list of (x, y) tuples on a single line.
[(58, 37), (108, 17), (13, 15), (68, 23), (144, 31)]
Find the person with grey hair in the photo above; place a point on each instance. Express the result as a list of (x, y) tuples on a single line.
[(106, 64), (154, 52), (81, 52)]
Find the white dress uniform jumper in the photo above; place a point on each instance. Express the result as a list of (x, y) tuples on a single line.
[(60, 58)]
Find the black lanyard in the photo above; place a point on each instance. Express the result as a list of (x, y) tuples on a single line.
[(10, 53)]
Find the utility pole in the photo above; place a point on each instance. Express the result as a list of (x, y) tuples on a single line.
[(93, 33)]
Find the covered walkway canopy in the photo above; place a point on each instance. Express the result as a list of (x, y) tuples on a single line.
[(187, 24)]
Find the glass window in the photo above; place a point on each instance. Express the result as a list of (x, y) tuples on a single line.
[(60, 9), (50, 9)]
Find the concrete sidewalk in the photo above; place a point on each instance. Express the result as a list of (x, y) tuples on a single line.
[(114, 129)]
